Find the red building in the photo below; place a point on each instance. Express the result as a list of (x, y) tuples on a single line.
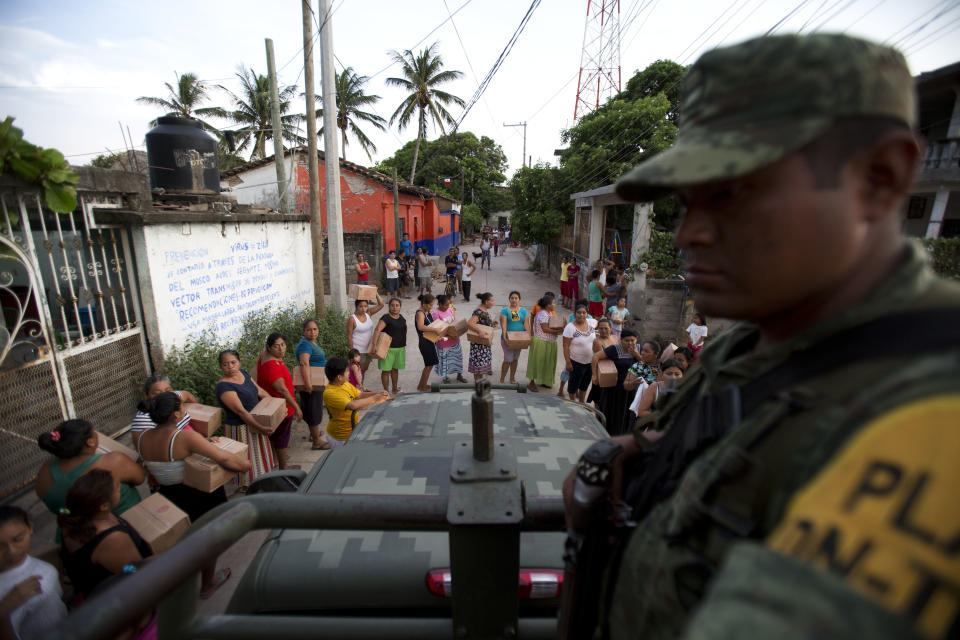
[(366, 197)]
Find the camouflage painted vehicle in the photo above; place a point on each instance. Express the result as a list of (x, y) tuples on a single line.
[(405, 447)]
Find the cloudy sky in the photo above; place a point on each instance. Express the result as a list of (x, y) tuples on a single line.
[(70, 72)]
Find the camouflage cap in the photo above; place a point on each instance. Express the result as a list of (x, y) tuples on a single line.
[(746, 106)]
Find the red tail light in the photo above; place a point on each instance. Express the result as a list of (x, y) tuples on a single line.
[(532, 584)]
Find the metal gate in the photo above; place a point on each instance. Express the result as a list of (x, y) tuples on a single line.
[(71, 338)]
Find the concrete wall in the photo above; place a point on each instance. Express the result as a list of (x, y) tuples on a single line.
[(210, 275)]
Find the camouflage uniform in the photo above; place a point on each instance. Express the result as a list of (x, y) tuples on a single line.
[(831, 510)]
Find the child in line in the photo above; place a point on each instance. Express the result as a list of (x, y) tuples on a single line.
[(354, 372), (619, 315)]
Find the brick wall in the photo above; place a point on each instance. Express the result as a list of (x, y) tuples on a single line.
[(668, 311)]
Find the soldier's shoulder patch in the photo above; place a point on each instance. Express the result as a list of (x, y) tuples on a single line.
[(885, 514)]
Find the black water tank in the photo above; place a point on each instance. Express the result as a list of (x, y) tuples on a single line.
[(182, 156)]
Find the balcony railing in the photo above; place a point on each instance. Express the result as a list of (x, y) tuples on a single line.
[(941, 159)]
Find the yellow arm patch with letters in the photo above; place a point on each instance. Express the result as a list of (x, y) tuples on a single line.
[(885, 514)]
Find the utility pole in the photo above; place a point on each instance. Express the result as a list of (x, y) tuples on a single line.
[(316, 226), (278, 159), (524, 125), (396, 213), (338, 276)]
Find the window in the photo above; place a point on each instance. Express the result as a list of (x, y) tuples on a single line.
[(916, 208)]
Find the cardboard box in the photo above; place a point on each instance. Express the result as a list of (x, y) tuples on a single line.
[(270, 412), (158, 521), (668, 352), (203, 419), (363, 292), (607, 373), (207, 475), (318, 377), (480, 334), (436, 330), (381, 348), (558, 321), (458, 328), (517, 339), (106, 444)]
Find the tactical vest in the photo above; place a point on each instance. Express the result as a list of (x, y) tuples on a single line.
[(729, 464)]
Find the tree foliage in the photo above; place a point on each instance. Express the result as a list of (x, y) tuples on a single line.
[(945, 256), (481, 161), (45, 168), (421, 76), (351, 100), (252, 111), (184, 101), (541, 206), (662, 76)]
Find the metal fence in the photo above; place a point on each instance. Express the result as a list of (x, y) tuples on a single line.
[(71, 339)]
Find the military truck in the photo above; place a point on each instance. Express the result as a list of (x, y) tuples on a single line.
[(441, 517)]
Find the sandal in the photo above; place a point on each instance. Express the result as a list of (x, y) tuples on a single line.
[(460, 378), (321, 447), (222, 576), (532, 387)]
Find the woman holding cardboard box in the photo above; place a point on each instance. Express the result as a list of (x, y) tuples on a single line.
[(310, 354), (395, 326), (512, 318), (428, 349), (154, 386), (449, 352), (542, 360), (614, 399), (481, 353), (74, 444), (238, 394), (164, 450), (360, 329), (273, 375)]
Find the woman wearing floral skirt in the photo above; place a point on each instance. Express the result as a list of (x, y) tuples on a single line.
[(449, 351), (238, 394), (481, 355)]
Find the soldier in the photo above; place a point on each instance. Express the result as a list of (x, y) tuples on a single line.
[(806, 481)]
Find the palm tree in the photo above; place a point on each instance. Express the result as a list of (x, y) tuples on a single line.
[(350, 99), (184, 100), (252, 110), (421, 75)]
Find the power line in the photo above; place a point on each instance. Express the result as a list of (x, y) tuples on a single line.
[(836, 13), (919, 17), (786, 17), (902, 41)]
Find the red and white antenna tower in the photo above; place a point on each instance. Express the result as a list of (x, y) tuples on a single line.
[(600, 59)]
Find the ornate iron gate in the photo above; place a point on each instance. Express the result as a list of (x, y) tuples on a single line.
[(71, 339)]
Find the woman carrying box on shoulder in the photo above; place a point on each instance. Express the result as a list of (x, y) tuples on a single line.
[(238, 394), (512, 318), (163, 451), (273, 375)]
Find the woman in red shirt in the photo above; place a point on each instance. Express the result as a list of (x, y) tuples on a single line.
[(274, 377), (363, 269)]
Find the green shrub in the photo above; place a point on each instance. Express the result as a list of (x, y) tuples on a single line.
[(194, 366), (662, 258), (945, 256)]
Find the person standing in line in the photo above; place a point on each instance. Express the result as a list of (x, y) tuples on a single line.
[(406, 246), (273, 375), (485, 249), (238, 394), (423, 270), (451, 264), (468, 267), (496, 243), (604, 339), (670, 371), (614, 401), (542, 359), (428, 350), (613, 290), (404, 273), (360, 329), (449, 351), (697, 332), (573, 282), (362, 269), (578, 338), (646, 370), (481, 355), (395, 326), (619, 315), (310, 354), (30, 593), (393, 273), (564, 277), (595, 294), (354, 372), (512, 318), (342, 399), (154, 386)]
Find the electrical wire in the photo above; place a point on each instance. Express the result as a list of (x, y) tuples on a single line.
[(785, 18), (836, 13)]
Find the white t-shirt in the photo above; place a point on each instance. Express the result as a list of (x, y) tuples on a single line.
[(35, 616), (697, 332), (393, 269), (485, 245), (581, 345), (465, 276)]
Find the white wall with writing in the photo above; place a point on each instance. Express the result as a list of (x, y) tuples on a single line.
[(212, 275)]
